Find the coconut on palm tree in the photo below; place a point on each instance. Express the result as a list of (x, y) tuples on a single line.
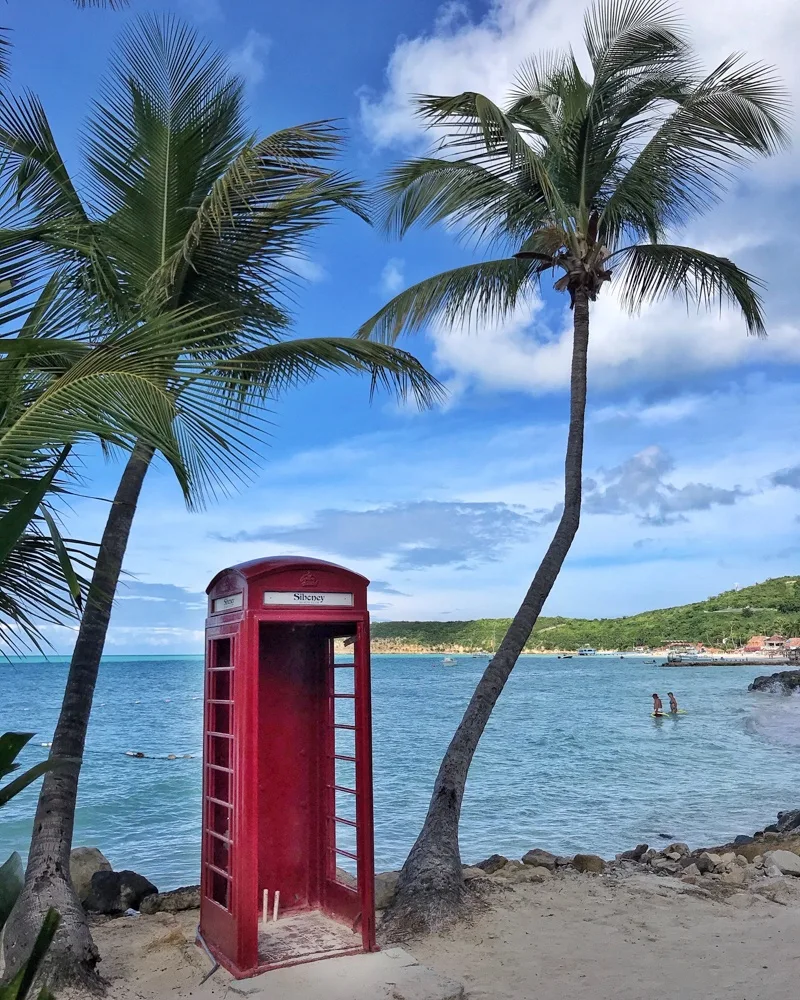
[(586, 175), (186, 217)]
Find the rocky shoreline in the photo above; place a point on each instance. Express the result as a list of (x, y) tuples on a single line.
[(745, 862)]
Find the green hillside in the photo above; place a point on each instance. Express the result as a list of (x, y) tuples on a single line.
[(763, 609)]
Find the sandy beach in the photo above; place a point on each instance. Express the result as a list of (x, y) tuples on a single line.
[(584, 937)]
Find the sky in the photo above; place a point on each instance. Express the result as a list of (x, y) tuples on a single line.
[(692, 466)]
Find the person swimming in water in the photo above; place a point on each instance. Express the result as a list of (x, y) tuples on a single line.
[(658, 708), (673, 704)]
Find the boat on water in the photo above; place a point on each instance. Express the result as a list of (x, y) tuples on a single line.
[(587, 651), (449, 661)]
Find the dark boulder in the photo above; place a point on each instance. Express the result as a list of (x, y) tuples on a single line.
[(540, 859), (492, 864), (633, 855), (741, 840), (116, 892), (185, 898), (783, 682), (592, 863), (789, 822)]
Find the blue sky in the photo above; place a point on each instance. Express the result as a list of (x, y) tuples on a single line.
[(691, 425)]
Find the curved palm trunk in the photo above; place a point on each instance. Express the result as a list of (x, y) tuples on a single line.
[(430, 888), (73, 956)]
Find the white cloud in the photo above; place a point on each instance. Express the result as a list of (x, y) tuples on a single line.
[(248, 59), (393, 278), (484, 55), (667, 412), (307, 268), (664, 342)]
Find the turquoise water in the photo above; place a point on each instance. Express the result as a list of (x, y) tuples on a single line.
[(571, 759)]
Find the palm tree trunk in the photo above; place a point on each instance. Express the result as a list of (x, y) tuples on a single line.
[(430, 888), (73, 956)]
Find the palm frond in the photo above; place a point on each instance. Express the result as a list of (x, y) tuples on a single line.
[(276, 368), (460, 192), (736, 113), (472, 294), (650, 272)]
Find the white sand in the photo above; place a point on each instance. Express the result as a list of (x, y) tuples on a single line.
[(576, 937)]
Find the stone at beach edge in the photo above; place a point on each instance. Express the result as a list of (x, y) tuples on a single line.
[(789, 822), (588, 863), (540, 859), (385, 888), (785, 681), (492, 864), (187, 897), (786, 862), (116, 892), (83, 863), (634, 855)]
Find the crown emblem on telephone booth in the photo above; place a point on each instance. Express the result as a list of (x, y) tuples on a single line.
[(309, 580)]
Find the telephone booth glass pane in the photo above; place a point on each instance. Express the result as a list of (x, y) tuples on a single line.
[(218, 806)]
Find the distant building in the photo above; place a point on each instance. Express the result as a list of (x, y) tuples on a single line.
[(775, 643), (755, 644)]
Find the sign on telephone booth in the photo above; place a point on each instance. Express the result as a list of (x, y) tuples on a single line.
[(287, 849)]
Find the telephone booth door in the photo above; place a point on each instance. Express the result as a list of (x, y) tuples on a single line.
[(288, 864)]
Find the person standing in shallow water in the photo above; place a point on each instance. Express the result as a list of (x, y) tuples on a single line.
[(673, 704), (657, 706)]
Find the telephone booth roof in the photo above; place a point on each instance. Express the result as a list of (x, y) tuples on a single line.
[(274, 564)]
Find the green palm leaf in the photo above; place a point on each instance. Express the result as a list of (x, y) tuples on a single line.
[(653, 271), (475, 293)]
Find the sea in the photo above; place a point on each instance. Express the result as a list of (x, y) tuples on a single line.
[(571, 760)]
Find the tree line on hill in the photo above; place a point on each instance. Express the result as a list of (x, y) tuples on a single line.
[(727, 620)]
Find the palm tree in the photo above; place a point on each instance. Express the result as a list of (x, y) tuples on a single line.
[(184, 212), (586, 177)]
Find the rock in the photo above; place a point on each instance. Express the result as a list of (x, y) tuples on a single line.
[(741, 840), (735, 877), (542, 872), (588, 863), (664, 865), (343, 877), (772, 871), (174, 901), (635, 855), (691, 870), (116, 892), (83, 863), (492, 864), (788, 822), (678, 848), (651, 853), (563, 862), (772, 828), (541, 859), (673, 855), (510, 869), (472, 871), (786, 862), (782, 682), (385, 888), (741, 861), (706, 862), (771, 835), (690, 879)]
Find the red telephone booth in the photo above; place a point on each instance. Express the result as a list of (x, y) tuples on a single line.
[(287, 856)]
